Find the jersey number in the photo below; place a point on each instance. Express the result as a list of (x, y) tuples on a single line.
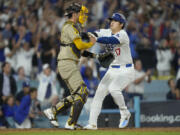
[(118, 51)]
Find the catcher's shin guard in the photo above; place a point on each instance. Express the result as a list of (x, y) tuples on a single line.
[(63, 104), (80, 98)]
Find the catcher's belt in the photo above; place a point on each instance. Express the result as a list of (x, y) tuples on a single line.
[(74, 48)]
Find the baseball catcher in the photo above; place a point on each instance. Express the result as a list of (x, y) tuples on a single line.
[(72, 43)]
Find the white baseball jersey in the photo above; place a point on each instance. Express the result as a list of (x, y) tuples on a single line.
[(121, 51)]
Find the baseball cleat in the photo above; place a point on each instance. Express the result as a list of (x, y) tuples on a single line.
[(90, 127), (49, 114), (70, 127), (73, 127), (78, 127), (124, 121)]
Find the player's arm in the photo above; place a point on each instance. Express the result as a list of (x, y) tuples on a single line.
[(75, 36), (81, 45), (101, 37), (100, 32), (108, 40)]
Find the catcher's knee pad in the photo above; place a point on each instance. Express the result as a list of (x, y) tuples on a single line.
[(64, 103), (80, 98), (82, 93)]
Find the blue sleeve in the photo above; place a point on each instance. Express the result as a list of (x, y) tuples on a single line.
[(39, 65), (28, 37), (26, 101), (53, 64), (16, 37), (108, 40), (82, 71)]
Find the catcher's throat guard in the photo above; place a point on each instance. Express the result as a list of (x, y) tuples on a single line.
[(78, 8), (83, 15)]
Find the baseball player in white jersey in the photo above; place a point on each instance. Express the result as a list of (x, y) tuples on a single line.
[(119, 74)]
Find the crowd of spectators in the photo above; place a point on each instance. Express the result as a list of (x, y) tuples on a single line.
[(29, 43)]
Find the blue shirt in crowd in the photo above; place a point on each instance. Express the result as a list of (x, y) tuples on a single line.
[(22, 110)]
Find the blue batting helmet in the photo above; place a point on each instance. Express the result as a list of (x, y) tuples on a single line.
[(118, 17)]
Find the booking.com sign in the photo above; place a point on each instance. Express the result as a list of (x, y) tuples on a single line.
[(160, 114), (160, 118)]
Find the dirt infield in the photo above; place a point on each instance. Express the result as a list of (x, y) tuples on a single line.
[(163, 129)]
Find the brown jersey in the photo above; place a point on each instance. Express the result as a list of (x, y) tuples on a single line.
[(68, 34)]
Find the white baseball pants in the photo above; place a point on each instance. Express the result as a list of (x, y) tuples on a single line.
[(114, 81)]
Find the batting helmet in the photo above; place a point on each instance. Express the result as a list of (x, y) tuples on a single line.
[(118, 17)]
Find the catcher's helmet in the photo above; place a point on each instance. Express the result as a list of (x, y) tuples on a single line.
[(73, 8), (118, 17)]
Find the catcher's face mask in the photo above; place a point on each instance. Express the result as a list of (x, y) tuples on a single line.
[(83, 15)]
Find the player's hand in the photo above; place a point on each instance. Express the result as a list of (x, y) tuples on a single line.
[(92, 39), (92, 35)]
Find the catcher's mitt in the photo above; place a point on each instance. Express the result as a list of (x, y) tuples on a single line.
[(105, 59), (85, 37)]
